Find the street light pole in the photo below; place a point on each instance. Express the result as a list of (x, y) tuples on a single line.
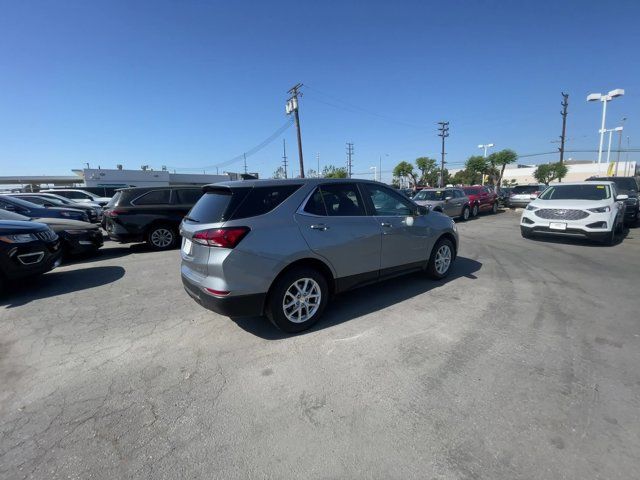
[(593, 97), (375, 171)]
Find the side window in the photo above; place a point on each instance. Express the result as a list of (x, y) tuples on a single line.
[(315, 204), (388, 203), (154, 197), (187, 196), (342, 200), (261, 200), (77, 196)]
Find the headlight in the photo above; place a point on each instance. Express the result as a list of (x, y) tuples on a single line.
[(77, 232), (19, 238), (531, 207), (600, 210)]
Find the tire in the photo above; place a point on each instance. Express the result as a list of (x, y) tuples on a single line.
[(525, 233), (610, 239), (494, 209), (162, 237), (475, 211), (287, 289), (438, 266), (465, 213)]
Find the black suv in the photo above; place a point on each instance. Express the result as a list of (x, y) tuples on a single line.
[(28, 209), (625, 186), (151, 214), (26, 249)]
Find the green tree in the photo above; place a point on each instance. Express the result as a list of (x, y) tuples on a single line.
[(279, 173), (547, 172), (311, 173), (500, 160), (405, 169), (428, 170), (476, 166), (331, 171)]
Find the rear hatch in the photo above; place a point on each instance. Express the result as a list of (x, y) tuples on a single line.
[(213, 209), (524, 192)]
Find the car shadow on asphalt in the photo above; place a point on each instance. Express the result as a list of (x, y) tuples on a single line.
[(109, 253), (58, 283), (362, 301)]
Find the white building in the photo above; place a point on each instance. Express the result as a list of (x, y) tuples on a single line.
[(104, 177)]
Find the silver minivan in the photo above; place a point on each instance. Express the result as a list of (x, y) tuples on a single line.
[(284, 247)]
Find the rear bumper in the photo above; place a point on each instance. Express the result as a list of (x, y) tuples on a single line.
[(235, 306), (517, 203)]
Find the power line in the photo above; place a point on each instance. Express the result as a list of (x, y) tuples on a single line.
[(248, 153)]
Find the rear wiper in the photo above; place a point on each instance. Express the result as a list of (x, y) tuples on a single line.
[(192, 219)]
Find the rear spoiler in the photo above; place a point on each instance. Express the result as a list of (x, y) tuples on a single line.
[(219, 189)]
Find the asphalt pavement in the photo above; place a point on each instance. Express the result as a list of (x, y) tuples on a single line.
[(522, 365)]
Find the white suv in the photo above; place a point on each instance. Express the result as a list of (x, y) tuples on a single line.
[(588, 209)]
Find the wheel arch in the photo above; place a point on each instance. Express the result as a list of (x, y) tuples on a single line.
[(308, 262)]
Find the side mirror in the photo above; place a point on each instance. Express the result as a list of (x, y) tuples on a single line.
[(446, 199), (622, 197), (422, 210)]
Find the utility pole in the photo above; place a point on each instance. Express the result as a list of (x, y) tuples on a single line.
[(444, 133), (284, 156), (349, 154), (292, 107), (244, 155), (565, 104), (318, 159)]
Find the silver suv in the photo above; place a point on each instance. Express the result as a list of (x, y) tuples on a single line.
[(283, 247)]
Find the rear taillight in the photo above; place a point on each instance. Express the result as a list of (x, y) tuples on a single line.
[(535, 194), (113, 213), (227, 237)]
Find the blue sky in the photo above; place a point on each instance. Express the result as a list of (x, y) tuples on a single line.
[(191, 84)]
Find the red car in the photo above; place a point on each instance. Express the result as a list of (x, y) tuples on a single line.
[(481, 199)]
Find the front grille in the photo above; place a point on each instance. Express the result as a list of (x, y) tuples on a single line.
[(47, 235), (561, 214)]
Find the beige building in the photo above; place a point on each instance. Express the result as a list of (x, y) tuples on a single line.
[(578, 171)]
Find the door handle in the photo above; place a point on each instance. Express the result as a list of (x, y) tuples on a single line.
[(320, 226), (386, 224)]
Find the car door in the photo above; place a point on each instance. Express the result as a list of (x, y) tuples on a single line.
[(405, 236), (335, 225), (453, 206)]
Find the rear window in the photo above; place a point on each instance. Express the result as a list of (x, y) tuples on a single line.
[(261, 200), (114, 200), (623, 184), (154, 197), (188, 196), (471, 191), (223, 204), (522, 189)]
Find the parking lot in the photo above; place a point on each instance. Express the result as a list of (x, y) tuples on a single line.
[(522, 364)]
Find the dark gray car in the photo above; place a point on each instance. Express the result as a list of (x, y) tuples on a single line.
[(283, 247), (450, 201)]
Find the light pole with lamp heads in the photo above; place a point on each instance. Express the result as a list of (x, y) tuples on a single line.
[(594, 97)]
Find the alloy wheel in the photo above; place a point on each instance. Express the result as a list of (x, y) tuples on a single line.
[(162, 237), (443, 259), (302, 300)]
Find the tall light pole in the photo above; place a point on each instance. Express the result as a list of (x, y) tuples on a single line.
[(486, 147), (610, 132), (375, 177), (594, 97)]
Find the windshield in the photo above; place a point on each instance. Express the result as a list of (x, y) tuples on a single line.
[(20, 202), (430, 195), (624, 184), (525, 189), (6, 215), (471, 190), (576, 192)]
